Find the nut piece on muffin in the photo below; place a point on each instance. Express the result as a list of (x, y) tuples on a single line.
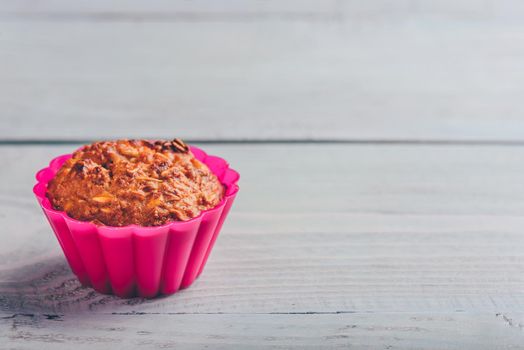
[(124, 182)]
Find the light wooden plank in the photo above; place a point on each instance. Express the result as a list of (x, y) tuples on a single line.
[(332, 228), (360, 331), (255, 9), (155, 8), (408, 76)]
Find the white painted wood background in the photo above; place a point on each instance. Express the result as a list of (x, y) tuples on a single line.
[(253, 69), (406, 235)]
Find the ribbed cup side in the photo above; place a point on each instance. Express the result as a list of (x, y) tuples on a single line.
[(117, 247), (205, 233), (225, 211), (88, 246), (149, 249), (179, 246), (63, 235)]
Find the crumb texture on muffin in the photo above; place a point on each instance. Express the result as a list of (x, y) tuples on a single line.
[(124, 182)]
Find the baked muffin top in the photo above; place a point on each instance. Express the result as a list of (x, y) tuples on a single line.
[(124, 182)]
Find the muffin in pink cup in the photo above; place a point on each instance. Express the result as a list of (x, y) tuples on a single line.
[(137, 217)]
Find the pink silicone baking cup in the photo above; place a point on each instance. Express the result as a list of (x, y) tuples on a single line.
[(133, 260)]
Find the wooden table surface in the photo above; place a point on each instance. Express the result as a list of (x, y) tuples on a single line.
[(380, 145)]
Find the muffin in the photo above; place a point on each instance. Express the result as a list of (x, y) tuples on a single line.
[(125, 182), (137, 217)]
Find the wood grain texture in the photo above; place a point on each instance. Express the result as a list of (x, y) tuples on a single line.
[(355, 331), (372, 246), (315, 229), (167, 10), (406, 70), (259, 10)]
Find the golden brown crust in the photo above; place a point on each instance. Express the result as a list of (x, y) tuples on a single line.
[(124, 182)]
